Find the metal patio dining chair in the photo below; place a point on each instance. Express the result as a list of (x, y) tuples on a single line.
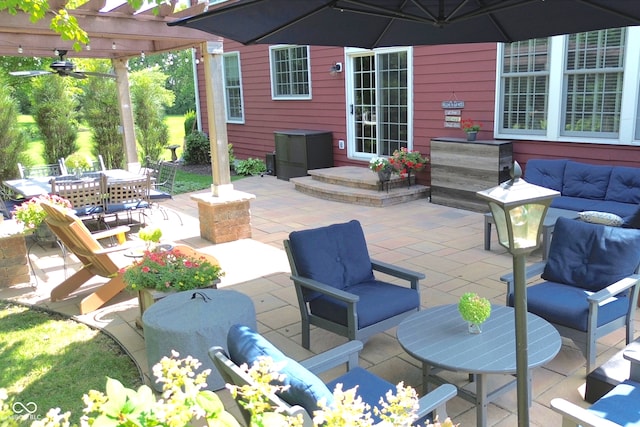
[(126, 197), (55, 169), (163, 187), (86, 196)]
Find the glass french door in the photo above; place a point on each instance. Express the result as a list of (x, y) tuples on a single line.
[(379, 100)]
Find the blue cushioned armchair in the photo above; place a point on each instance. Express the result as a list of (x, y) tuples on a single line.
[(333, 276), (305, 388), (590, 283), (618, 408)]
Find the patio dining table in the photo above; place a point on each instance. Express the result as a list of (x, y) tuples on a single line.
[(37, 186)]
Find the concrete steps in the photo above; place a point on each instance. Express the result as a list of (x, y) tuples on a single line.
[(357, 185)]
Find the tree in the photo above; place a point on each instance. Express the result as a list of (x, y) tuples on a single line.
[(12, 139), (149, 98), (100, 109), (54, 110), (179, 67)]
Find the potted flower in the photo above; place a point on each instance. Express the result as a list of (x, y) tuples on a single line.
[(383, 167), (165, 271), (475, 310), (471, 128), (407, 162), (31, 215)]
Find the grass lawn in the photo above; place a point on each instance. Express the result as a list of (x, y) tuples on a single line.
[(52, 361)]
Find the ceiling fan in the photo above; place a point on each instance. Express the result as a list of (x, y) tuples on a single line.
[(63, 68)]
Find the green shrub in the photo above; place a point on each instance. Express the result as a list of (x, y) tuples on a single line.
[(250, 166), (12, 138), (190, 122), (55, 114), (198, 149)]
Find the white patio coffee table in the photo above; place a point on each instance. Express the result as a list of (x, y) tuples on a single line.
[(439, 338)]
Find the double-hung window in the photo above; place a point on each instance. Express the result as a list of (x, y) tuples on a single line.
[(233, 87), (580, 87), (290, 72)]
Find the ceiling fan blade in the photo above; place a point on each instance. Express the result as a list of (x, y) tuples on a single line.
[(74, 74), (32, 73), (94, 74)]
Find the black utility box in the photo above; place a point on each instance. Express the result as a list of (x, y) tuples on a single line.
[(297, 151)]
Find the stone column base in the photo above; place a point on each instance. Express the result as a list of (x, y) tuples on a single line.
[(225, 218), (13, 261)]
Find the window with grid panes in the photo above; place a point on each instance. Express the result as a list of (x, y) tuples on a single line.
[(290, 72), (233, 87), (580, 87)]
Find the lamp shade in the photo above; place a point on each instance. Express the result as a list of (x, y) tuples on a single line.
[(518, 210)]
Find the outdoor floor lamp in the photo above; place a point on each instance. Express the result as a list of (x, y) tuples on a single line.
[(518, 210)]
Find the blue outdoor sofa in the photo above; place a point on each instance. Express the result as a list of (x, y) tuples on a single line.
[(587, 187)]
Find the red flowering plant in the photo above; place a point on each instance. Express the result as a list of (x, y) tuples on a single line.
[(170, 270), (406, 161), (469, 125)]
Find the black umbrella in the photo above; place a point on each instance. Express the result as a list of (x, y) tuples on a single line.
[(380, 23)]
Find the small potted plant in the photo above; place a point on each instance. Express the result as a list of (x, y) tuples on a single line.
[(471, 128), (77, 163), (382, 167), (475, 310)]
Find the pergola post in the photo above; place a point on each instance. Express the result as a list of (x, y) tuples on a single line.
[(126, 114), (224, 213), (216, 117)]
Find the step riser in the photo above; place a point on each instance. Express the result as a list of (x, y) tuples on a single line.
[(374, 184), (362, 200)]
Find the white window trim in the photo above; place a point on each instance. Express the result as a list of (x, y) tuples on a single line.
[(629, 105), (354, 51), (276, 97), (224, 81)]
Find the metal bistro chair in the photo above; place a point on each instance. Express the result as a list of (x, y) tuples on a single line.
[(56, 169), (163, 187), (86, 196), (127, 196)]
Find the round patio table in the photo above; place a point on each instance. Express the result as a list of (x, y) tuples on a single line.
[(439, 338)]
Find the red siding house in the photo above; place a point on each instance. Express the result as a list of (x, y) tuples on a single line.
[(574, 96)]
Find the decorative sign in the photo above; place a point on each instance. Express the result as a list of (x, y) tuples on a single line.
[(452, 118), (451, 112), (452, 124), (452, 104)]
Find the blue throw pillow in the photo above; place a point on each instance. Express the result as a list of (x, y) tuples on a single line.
[(336, 255), (246, 346), (591, 256), (632, 221)]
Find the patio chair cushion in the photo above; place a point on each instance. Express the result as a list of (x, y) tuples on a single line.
[(546, 173), (566, 305), (620, 405), (624, 185), (585, 181), (580, 257), (336, 255), (632, 221), (378, 301), (246, 346)]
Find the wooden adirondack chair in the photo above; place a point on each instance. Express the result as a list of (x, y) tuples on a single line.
[(96, 260)]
